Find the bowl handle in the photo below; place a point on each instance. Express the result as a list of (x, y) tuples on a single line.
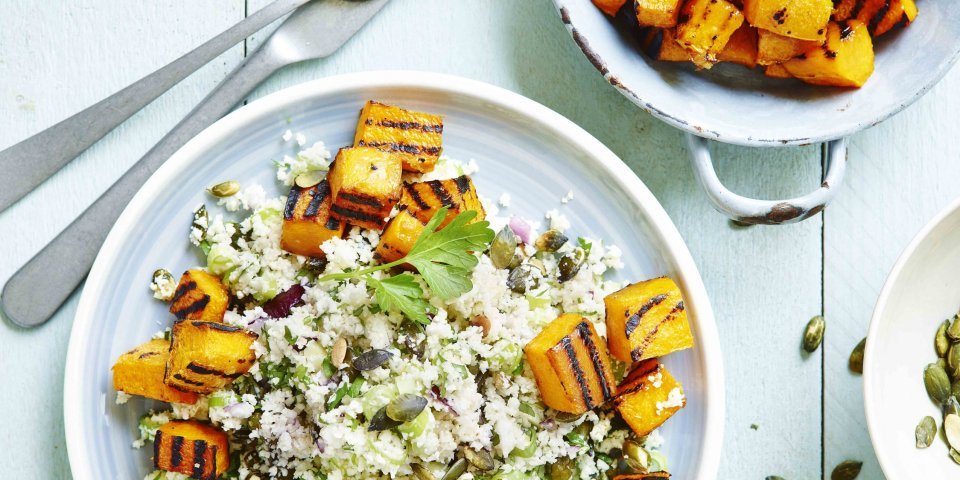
[(767, 212)]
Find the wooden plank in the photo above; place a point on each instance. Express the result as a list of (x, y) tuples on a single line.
[(901, 173), (58, 57)]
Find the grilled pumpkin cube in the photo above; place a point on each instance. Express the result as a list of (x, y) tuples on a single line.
[(777, 70), (200, 296), (881, 16), (571, 365), (647, 320), (845, 59), (415, 137), (648, 397), (742, 47), (399, 236), (365, 183), (207, 356), (661, 44), (195, 449), (610, 7), (705, 28), (307, 222), (657, 13), (140, 372), (424, 199), (803, 19), (773, 48)]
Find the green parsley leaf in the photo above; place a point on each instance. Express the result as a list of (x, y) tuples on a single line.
[(402, 293), (444, 257)]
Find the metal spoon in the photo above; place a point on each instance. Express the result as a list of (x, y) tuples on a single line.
[(30, 162), (314, 31)]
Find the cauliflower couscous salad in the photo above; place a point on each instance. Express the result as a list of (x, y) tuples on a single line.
[(385, 320)]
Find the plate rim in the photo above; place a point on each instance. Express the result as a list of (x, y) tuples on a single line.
[(675, 249), (649, 106), (869, 364)]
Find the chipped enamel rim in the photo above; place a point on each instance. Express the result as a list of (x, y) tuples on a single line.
[(674, 251)]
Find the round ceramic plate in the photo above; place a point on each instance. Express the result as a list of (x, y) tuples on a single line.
[(922, 290), (522, 148), (735, 105)]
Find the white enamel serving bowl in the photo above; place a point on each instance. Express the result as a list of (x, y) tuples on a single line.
[(922, 290), (522, 148)]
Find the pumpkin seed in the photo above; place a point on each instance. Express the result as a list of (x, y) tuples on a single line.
[(856, 357), (955, 456), (381, 421), (456, 470), (955, 388), (942, 363), (310, 178), (339, 352), (315, 265), (563, 469), (940, 342), (569, 264), (406, 407), (564, 417), (480, 459), (550, 241), (813, 334), (371, 359), (937, 383), (225, 189), (503, 249), (926, 430), (523, 278), (953, 358), (951, 406), (951, 429), (774, 477), (634, 453), (421, 472), (953, 331), (847, 470)]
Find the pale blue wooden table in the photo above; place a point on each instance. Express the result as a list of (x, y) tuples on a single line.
[(58, 56)]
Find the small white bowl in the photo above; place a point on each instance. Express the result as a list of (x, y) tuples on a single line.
[(922, 290)]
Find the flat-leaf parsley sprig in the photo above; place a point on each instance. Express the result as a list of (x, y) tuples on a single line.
[(444, 257)]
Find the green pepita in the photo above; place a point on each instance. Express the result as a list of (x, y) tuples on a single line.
[(926, 431), (564, 417), (856, 357), (550, 241), (951, 406), (847, 470), (523, 278), (953, 358), (421, 472), (381, 421), (937, 383), (774, 477), (953, 331), (569, 265), (951, 430), (310, 178), (634, 453), (941, 343), (405, 407), (371, 359), (503, 249), (955, 456), (225, 189), (563, 469), (456, 470), (480, 459), (813, 334)]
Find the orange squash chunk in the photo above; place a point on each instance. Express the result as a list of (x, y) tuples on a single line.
[(365, 183), (307, 222), (195, 449), (140, 372), (705, 28), (881, 16), (398, 237), (657, 13), (207, 356), (647, 320), (661, 44), (648, 397), (415, 137), (803, 19), (845, 59), (741, 48), (777, 70), (773, 48), (200, 296), (570, 363), (610, 7)]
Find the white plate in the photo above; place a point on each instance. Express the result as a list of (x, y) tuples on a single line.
[(922, 290), (522, 148)]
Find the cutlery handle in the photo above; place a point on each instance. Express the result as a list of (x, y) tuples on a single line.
[(768, 212), (35, 292), (30, 162)]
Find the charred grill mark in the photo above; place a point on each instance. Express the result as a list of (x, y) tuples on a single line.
[(186, 380), (219, 326), (585, 335), (831, 54), (463, 184), (200, 369), (361, 200), (147, 355), (355, 215), (402, 147), (194, 307), (183, 289), (634, 321), (332, 224), (199, 458), (656, 44), (577, 370), (879, 16), (157, 442), (318, 194), (855, 11), (415, 196), (636, 353), (442, 194), (292, 200), (176, 450), (780, 16), (845, 30), (429, 128)]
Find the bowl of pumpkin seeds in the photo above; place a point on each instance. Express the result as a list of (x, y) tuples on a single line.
[(911, 364)]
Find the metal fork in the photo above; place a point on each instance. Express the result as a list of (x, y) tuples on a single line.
[(316, 30)]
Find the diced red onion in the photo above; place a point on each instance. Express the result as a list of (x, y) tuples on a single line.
[(280, 305), (521, 228)]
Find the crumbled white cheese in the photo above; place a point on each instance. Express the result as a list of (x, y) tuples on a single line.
[(504, 200), (287, 136), (163, 287), (674, 400), (122, 397), (301, 139), (558, 221), (566, 198)]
